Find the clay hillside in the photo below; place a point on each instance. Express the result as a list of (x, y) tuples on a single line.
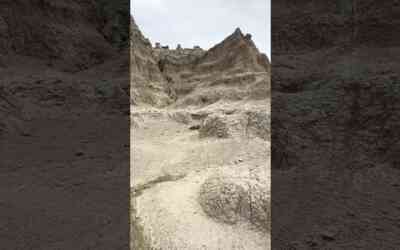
[(58, 54), (200, 145), (335, 126), (64, 104)]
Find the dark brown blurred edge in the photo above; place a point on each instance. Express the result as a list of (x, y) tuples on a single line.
[(64, 127), (335, 124)]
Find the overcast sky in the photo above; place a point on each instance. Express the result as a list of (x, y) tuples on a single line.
[(203, 22)]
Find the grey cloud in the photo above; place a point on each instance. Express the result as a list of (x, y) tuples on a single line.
[(204, 23)]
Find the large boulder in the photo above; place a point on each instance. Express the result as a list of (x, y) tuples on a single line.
[(230, 199)]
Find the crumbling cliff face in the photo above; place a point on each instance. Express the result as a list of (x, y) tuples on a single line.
[(148, 85), (173, 61), (184, 74), (335, 94), (70, 35), (114, 21), (306, 25), (62, 102), (57, 44)]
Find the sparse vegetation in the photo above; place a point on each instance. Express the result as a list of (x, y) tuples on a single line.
[(116, 20)]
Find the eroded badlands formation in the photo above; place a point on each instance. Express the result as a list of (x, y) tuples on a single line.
[(335, 146), (200, 158), (64, 115)]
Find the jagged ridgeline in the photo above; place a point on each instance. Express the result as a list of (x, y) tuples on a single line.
[(232, 70), (115, 17)]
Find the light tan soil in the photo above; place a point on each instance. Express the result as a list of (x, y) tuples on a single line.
[(169, 165)]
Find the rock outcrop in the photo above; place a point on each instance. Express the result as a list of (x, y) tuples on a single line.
[(63, 126), (70, 35), (335, 92), (197, 77), (57, 53), (231, 198), (149, 86)]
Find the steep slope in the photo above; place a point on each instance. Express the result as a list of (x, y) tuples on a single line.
[(335, 128), (59, 47), (63, 127), (233, 70), (148, 84), (236, 52), (62, 33), (180, 76), (334, 23)]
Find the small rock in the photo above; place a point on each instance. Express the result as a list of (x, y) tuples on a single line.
[(26, 134), (79, 153), (311, 243), (328, 235), (195, 127)]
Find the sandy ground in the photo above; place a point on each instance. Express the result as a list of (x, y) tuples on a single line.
[(169, 162)]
